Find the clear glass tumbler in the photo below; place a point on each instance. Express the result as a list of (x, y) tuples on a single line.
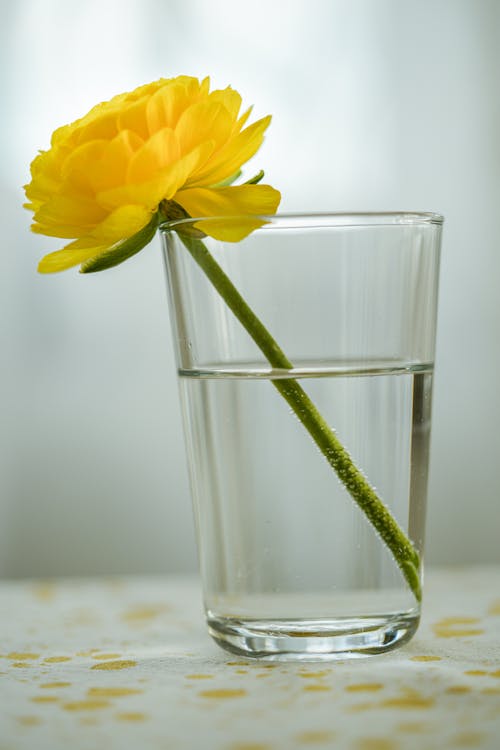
[(295, 563)]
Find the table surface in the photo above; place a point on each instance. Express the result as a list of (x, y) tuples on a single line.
[(126, 663)]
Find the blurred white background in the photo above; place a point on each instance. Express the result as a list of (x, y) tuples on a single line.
[(377, 104)]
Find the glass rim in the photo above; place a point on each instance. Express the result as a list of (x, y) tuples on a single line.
[(320, 220)]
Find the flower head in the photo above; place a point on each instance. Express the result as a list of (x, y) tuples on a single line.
[(106, 176)]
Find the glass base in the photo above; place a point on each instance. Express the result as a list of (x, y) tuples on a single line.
[(313, 640)]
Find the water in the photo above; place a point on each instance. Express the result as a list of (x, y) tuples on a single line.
[(285, 553)]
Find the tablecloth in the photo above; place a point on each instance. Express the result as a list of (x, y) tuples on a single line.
[(121, 663)]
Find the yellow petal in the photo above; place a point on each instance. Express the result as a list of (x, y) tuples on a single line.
[(147, 194), (229, 98), (204, 86), (166, 106), (159, 151), (104, 126), (120, 224), (204, 121), (145, 91), (195, 90), (60, 134), (244, 117), (113, 166), (67, 216), (78, 160), (71, 255), (165, 183), (100, 165), (232, 156), (133, 118), (229, 201), (240, 201), (45, 174)]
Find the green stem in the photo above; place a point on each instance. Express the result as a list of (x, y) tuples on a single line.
[(362, 493)]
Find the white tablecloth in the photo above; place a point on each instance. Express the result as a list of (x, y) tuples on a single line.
[(126, 663)]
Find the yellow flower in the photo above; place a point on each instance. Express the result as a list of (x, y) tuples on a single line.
[(106, 176)]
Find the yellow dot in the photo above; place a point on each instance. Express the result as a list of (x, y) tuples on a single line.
[(103, 657), (358, 707), (86, 705), (143, 614), (112, 692), (44, 591), (476, 672), (316, 688), (223, 693), (408, 702), (364, 687), (51, 685), (56, 659), (313, 675), (22, 655), (447, 627), (131, 716), (199, 676), (442, 632), (447, 621), (468, 739), (376, 743), (425, 658), (29, 721), (458, 689), (112, 665), (412, 727), (494, 608), (44, 699)]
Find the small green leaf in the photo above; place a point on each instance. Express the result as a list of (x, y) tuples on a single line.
[(123, 250), (228, 181), (256, 179)]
